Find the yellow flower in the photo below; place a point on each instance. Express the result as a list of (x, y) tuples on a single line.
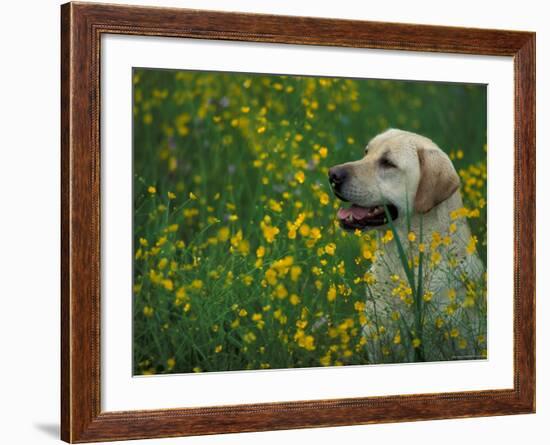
[(459, 213), (451, 293), (294, 299), (471, 247), (315, 233), (271, 276), (295, 272), (260, 252), (170, 363), (249, 337), (411, 236), (331, 294), (428, 296), (275, 206), (416, 342), (269, 231), (300, 177), (436, 258), (330, 248), (369, 278), (172, 228), (162, 263), (181, 294), (192, 196), (304, 230), (197, 284), (325, 359), (324, 198), (280, 291), (223, 234), (152, 189), (148, 311), (171, 195), (454, 332), (388, 236), (168, 284), (147, 118), (397, 338), (367, 253), (218, 349), (323, 151)]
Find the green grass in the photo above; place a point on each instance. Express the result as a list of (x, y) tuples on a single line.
[(238, 261)]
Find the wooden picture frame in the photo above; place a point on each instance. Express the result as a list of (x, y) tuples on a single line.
[(82, 25)]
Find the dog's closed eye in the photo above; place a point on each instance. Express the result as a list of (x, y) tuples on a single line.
[(387, 163)]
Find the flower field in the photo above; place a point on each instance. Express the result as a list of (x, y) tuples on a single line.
[(238, 260)]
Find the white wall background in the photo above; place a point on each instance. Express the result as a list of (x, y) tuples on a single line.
[(29, 219)]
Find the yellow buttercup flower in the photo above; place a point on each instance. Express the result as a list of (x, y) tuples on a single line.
[(294, 299), (331, 294), (223, 234), (471, 247), (269, 231), (330, 248), (168, 284), (170, 363), (388, 236), (295, 272)]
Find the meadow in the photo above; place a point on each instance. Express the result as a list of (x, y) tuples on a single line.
[(238, 260)]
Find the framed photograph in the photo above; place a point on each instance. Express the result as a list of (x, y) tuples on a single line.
[(275, 222)]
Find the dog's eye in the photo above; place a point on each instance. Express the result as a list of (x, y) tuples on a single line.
[(386, 163)]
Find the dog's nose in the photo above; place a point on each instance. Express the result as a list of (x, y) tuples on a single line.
[(337, 175)]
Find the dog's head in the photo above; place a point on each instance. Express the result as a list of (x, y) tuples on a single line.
[(403, 171)]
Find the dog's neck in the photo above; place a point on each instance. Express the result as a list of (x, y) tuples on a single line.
[(437, 219)]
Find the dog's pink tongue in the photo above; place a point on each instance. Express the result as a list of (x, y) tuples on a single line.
[(355, 211)]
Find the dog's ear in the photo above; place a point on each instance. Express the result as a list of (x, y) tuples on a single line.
[(438, 179)]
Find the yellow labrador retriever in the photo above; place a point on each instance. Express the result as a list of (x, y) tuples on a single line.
[(416, 182)]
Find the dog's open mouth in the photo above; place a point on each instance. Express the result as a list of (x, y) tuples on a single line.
[(357, 217)]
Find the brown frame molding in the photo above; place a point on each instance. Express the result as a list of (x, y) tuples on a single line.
[(82, 25)]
